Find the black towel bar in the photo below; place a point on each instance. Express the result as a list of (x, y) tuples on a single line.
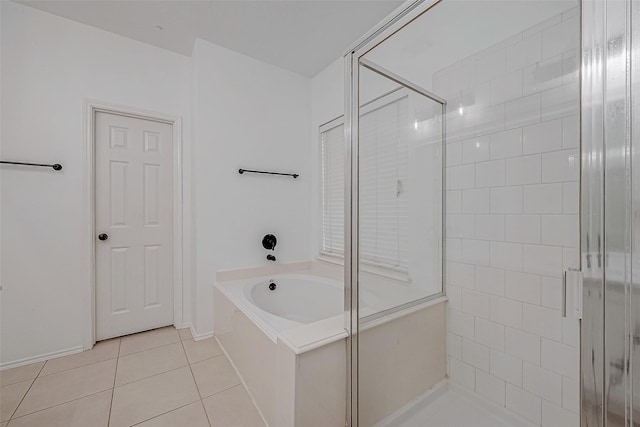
[(56, 166), (294, 175)]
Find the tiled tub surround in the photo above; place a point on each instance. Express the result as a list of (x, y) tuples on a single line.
[(296, 376), (512, 220)]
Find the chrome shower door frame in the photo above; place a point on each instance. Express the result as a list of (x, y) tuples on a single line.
[(608, 210), (352, 60)]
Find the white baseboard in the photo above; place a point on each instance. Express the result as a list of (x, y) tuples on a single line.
[(197, 337), (40, 358), (78, 349)]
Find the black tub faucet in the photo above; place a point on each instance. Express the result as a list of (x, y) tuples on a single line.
[(269, 242)]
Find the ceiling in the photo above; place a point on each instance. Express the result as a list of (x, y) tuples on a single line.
[(303, 36)]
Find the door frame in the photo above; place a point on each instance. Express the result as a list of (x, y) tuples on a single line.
[(91, 108)]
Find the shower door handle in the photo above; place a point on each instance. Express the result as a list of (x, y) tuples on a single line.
[(572, 285)]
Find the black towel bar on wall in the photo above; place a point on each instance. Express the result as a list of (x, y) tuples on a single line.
[(294, 175), (55, 166)]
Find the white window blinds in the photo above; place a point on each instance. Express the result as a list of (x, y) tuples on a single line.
[(383, 186), (332, 141)]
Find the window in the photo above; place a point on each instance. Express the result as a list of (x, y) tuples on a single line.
[(383, 180), (332, 140)]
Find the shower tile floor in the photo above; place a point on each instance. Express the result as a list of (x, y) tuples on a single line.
[(156, 378), (450, 406)]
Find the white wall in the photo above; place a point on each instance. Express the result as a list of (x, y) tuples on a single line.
[(246, 114), (252, 115), (50, 66), (327, 94)]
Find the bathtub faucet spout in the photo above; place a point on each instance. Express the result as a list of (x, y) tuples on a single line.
[(271, 257)]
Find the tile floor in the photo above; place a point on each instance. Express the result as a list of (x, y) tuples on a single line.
[(151, 379), (442, 408)]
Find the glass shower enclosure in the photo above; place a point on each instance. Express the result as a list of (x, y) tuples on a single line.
[(400, 240), (462, 122)]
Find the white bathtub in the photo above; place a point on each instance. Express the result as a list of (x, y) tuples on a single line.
[(297, 300), (288, 345)]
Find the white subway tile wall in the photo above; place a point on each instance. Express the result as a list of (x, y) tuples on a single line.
[(523, 403), (491, 387), (512, 220)]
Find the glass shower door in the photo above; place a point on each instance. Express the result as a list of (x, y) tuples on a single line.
[(400, 155), (611, 202), (400, 180)]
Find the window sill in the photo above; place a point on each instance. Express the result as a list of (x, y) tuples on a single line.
[(368, 268)]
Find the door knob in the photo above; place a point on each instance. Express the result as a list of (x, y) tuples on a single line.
[(103, 236)]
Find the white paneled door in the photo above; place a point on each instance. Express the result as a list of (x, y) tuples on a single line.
[(134, 224)]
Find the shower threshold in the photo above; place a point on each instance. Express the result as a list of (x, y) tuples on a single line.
[(449, 405)]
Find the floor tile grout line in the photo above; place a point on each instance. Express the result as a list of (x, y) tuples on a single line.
[(150, 376), (39, 375), (23, 380), (164, 413), (77, 367), (223, 390), (201, 399), (59, 404), (169, 370), (204, 360), (206, 414), (110, 358), (196, 383), (113, 389), (183, 339), (150, 348), (169, 327), (25, 394), (191, 370), (43, 366)]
